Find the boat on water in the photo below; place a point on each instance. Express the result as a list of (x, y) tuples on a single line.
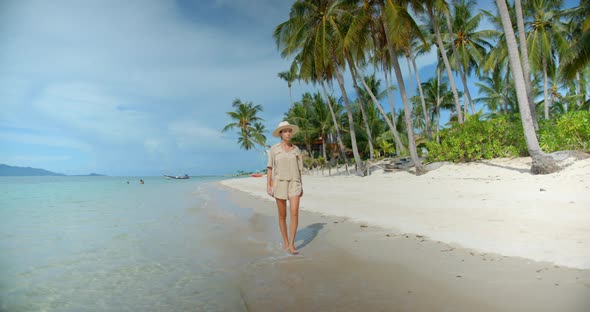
[(256, 175), (184, 177)]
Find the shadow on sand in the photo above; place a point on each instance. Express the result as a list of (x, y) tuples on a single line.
[(521, 170), (308, 233)]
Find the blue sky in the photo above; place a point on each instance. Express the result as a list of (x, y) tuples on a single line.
[(138, 87)]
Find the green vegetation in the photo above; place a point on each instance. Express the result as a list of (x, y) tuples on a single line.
[(530, 67), (570, 131), (245, 118), (479, 139), (501, 136)]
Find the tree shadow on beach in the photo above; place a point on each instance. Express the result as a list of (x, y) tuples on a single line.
[(521, 170), (309, 233)]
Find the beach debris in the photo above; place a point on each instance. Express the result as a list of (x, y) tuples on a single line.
[(387, 235), (458, 276), (364, 226), (542, 190)]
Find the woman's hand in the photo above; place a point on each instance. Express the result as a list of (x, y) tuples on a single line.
[(269, 190)]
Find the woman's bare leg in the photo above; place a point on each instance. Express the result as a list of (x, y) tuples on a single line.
[(294, 205), (282, 207)]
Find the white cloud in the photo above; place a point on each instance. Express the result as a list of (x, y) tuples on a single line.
[(89, 110), (189, 134)]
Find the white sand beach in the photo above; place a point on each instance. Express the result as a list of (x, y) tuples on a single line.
[(493, 206)]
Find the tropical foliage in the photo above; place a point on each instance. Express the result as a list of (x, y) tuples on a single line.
[(523, 83), (250, 128)]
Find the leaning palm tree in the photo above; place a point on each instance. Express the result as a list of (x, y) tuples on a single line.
[(314, 30), (433, 6), (250, 128), (542, 164), (526, 67), (397, 20), (367, 35)]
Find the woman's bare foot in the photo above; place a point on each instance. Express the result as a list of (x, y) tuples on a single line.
[(293, 251), (286, 247)]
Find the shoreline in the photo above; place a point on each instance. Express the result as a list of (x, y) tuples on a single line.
[(493, 206), (349, 266)]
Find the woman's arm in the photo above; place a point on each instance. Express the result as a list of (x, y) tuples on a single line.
[(269, 181)]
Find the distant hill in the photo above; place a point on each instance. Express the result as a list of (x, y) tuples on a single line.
[(6, 170), (13, 171)]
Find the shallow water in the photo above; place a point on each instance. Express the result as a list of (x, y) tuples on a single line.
[(98, 243)]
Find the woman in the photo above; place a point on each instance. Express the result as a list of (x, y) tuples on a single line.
[(283, 181)]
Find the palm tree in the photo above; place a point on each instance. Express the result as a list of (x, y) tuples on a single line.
[(495, 94), (366, 34), (579, 36), (542, 164), (301, 114), (244, 117), (314, 30), (545, 40), (461, 69), (412, 56), (470, 44), (437, 92), (398, 21), (321, 119), (430, 10), (526, 67), (290, 76)]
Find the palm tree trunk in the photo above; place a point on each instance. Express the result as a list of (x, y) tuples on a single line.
[(407, 109), (443, 53), (290, 97), (462, 71), (545, 89), (506, 86), (354, 74), (437, 103), (423, 101), (338, 137), (525, 61), (578, 101), (408, 115), (542, 164), (381, 110), (355, 150), (411, 87), (324, 154), (399, 146)]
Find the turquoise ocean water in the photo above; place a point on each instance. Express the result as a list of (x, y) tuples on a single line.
[(100, 244)]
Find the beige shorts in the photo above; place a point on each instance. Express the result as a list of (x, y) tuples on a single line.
[(286, 189)]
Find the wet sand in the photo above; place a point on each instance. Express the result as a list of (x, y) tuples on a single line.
[(351, 266)]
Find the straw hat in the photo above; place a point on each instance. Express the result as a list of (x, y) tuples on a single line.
[(284, 125)]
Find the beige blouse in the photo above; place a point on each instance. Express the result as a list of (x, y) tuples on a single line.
[(285, 165)]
